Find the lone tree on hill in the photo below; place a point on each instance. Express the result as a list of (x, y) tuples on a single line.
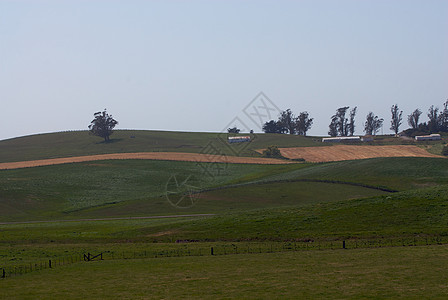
[(396, 118), (102, 125)]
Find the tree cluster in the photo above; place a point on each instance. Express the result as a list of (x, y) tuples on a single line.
[(289, 123), (340, 125), (437, 121)]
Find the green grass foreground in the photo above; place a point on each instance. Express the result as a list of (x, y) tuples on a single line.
[(399, 273)]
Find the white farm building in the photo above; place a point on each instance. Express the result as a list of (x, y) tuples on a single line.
[(341, 139), (238, 139), (431, 137)]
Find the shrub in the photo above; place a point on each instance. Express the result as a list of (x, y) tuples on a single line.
[(445, 150), (272, 151)]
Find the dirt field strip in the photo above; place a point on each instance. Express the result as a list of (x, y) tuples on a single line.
[(348, 152), (172, 156)]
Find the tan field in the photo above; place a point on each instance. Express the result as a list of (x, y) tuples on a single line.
[(173, 156), (348, 152)]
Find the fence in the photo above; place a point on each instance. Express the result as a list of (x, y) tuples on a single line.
[(21, 269), (182, 249)]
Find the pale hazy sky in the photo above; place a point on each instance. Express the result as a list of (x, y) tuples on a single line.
[(195, 65)]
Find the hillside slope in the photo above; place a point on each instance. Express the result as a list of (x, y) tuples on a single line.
[(79, 143)]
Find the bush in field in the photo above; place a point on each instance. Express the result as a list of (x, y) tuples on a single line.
[(445, 150), (272, 151)]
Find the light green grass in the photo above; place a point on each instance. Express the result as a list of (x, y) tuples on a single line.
[(399, 273)]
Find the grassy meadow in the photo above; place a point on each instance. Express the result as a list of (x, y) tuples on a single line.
[(376, 206), (78, 143), (398, 273)]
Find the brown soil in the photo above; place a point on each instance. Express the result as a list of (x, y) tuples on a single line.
[(172, 156), (348, 152)]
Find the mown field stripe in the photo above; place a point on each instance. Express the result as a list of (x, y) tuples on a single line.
[(109, 219), (170, 156)]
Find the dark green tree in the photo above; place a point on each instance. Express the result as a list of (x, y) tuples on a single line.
[(395, 122), (233, 130), (413, 118), (333, 127), (274, 127), (272, 151), (433, 116), (443, 118), (303, 123), (373, 124), (102, 125), (340, 125), (288, 121), (351, 125)]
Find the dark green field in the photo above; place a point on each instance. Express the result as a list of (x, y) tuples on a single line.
[(382, 202)]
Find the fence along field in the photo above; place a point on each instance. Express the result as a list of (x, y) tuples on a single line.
[(185, 248)]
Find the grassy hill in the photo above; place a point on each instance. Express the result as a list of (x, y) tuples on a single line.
[(77, 143), (136, 188), (255, 207)]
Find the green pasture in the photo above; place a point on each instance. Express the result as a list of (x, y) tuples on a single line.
[(406, 214), (139, 188), (400, 173), (116, 188), (311, 206), (412, 213), (399, 273)]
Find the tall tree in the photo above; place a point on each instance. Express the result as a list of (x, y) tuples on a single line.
[(303, 123), (373, 124), (102, 125), (413, 118), (333, 127), (395, 122), (351, 125), (288, 120), (443, 118), (433, 116)]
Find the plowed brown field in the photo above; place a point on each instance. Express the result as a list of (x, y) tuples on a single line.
[(172, 156), (348, 152)]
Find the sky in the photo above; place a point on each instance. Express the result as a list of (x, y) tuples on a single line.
[(200, 65)]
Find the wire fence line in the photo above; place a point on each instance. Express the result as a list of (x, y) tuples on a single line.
[(210, 249)]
